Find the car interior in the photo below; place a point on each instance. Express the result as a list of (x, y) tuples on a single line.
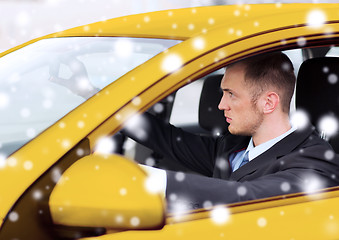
[(317, 72)]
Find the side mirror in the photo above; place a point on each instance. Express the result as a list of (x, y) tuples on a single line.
[(106, 191)]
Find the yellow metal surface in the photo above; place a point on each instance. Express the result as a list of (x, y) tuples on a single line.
[(221, 34), (106, 191), (186, 23), (312, 220)]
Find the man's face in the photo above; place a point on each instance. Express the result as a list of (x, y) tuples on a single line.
[(243, 115)]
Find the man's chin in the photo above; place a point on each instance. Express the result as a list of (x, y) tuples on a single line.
[(234, 131)]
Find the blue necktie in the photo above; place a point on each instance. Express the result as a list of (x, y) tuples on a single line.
[(244, 160)]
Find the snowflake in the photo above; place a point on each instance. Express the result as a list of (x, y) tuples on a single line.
[(105, 145), (135, 221), (199, 43), (56, 175), (299, 119), (171, 63), (66, 143), (124, 48), (329, 154), (136, 126), (207, 204), (37, 194), (241, 191), (150, 162), (262, 222), (328, 125), (316, 18), (80, 152), (180, 176), (173, 197), (47, 103), (285, 186), (28, 165), (332, 78), (81, 124), (180, 207), (25, 112), (221, 163), (156, 180), (158, 108), (311, 184), (211, 21), (13, 216), (31, 132), (220, 215), (62, 125), (191, 26), (301, 41), (2, 161), (147, 19), (123, 191), (216, 132), (12, 162), (83, 84)]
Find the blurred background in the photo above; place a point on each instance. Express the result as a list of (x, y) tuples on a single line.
[(22, 20)]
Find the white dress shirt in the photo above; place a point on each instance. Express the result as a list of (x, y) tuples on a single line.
[(255, 151)]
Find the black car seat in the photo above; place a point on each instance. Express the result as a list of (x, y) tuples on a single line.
[(210, 117), (211, 121), (317, 92)]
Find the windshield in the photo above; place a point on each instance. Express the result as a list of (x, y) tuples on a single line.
[(42, 82)]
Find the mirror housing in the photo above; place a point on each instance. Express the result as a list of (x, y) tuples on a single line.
[(106, 191)]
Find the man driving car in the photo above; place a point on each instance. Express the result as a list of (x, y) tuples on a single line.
[(263, 155)]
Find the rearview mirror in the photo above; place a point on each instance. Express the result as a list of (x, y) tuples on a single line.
[(106, 191)]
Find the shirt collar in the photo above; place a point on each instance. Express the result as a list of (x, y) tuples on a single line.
[(254, 152)]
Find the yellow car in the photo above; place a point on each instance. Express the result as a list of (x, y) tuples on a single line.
[(63, 98)]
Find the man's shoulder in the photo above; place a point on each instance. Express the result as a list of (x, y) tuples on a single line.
[(309, 137), (311, 147)]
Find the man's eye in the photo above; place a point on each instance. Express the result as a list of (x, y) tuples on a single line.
[(230, 94)]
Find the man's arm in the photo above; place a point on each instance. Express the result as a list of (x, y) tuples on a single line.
[(195, 191), (302, 171), (195, 152)]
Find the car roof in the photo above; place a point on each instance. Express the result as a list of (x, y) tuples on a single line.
[(188, 22), (185, 23)]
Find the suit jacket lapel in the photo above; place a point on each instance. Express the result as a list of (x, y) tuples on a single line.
[(283, 147), (237, 143)]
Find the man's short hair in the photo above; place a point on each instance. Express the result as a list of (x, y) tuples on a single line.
[(271, 70)]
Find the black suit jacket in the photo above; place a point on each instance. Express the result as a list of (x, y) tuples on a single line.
[(301, 162)]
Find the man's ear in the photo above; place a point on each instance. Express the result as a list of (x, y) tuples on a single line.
[(271, 102)]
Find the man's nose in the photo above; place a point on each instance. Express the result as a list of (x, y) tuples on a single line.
[(223, 105)]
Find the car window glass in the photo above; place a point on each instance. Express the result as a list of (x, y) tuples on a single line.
[(333, 52), (185, 110), (297, 58), (42, 82)]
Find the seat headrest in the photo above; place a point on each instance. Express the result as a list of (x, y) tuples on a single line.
[(318, 87), (317, 93), (210, 117)]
